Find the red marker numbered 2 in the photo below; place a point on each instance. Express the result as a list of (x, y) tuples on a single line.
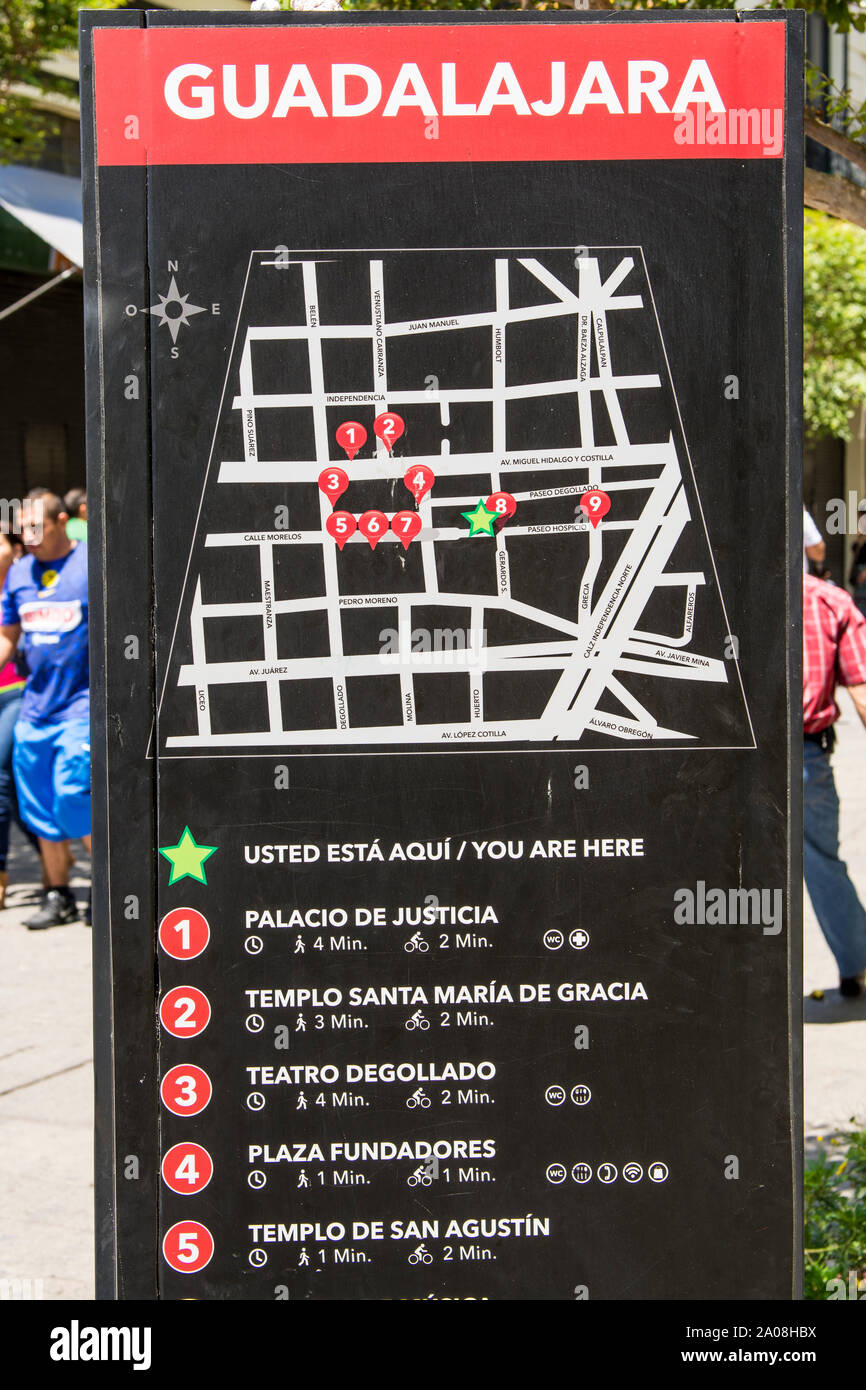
[(187, 1168), (187, 1247), (183, 933), (185, 1089), (388, 427), (184, 1012)]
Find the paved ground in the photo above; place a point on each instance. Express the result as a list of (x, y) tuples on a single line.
[(46, 1081)]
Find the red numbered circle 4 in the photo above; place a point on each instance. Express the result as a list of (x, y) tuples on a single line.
[(187, 1168), (184, 1012), (187, 1247), (183, 933), (185, 1090)]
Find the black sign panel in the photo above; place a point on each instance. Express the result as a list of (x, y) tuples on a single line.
[(442, 384)]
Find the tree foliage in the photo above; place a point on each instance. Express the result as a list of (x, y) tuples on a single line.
[(31, 31), (834, 324)]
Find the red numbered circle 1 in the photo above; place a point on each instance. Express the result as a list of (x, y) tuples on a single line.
[(187, 1168), (187, 1247), (184, 1012), (185, 1090), (183, 933)]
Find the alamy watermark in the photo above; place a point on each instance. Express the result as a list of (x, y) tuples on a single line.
[(462, 648)]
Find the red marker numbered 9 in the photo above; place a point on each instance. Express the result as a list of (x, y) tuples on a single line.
[(187, 1247), (183, 933), (187, 1168), (184, 1012), (185, 1090)]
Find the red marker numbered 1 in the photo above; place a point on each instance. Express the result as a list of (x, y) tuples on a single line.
[(503, 504), (184, 1012), (406, 526), (183, 933), (341, 525), (333, 483), (187, 1247), (351, 437), (595, 504), (373, 525), (388, 427), (419, 480), (185, 1090), (187, 1168)]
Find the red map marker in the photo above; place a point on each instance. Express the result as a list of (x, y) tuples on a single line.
[(351, 436), (187, 1247), (333, 483), (503, 504), (373, 525), (187, 1168), (406, 526), (419, 480), (388, 427), (595, 504), (341, 525)]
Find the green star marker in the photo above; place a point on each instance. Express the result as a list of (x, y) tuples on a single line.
[(187, 858), (481, 520)]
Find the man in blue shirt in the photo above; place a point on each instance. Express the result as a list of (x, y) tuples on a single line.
[(45, 601)]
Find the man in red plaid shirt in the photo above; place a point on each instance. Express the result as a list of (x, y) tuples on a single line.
[(834, 653)]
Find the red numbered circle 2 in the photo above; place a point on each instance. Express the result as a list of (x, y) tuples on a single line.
[(187, 1168), (185, 1090), (184, 1012), (183, 933), (187, 1247)]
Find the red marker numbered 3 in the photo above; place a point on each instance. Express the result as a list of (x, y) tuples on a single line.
[(186, 1089)]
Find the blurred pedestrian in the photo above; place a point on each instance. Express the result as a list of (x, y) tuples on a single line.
[(834, 653), (45, 601)]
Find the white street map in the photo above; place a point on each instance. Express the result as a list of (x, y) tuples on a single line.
[(540, 373)]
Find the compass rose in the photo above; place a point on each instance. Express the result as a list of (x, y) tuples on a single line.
[(173, 309)]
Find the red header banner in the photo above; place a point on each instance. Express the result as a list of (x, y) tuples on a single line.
[(363, 93)]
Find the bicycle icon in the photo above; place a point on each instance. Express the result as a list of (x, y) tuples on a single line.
[(420, 1256), (420, 1178), (418, 1099), (416, 943), (417, 1020)]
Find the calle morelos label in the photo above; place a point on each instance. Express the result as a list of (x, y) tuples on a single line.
[(356, 93)]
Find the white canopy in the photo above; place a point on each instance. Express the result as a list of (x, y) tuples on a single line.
[(49, 204)]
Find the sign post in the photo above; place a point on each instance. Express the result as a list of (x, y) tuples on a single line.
[(443, 383)]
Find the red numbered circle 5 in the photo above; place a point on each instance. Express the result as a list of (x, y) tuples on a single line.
[(185, 1090), (187, 1168), (187, 1247), (183, 933), (184, 1012)]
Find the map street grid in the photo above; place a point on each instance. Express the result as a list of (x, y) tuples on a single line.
[(550, 630)]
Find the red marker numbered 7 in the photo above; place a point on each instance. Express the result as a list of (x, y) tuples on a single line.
[(186, 1090)]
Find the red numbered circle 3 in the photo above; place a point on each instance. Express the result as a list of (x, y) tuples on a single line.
[(187, 1247), (184, 1012), (187, 1168), (185, 1090), (183, 933)]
